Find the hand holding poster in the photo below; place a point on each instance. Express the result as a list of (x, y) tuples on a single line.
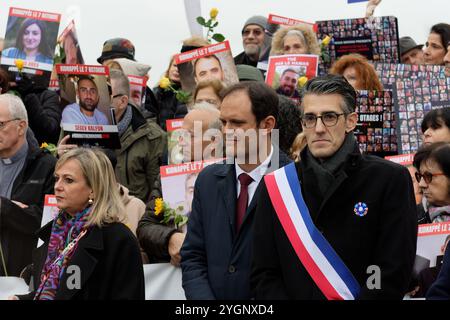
[(207, 63), (285, 71), (30, 37)]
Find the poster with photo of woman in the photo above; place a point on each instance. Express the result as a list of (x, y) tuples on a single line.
[(29, 44)]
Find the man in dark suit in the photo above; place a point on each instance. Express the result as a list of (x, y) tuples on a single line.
[(361, 206), (215, 257)]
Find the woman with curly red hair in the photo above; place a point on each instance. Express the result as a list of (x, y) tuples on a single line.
[(358, 72)]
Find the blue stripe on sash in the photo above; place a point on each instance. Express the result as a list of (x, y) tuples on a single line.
[(316, 235)]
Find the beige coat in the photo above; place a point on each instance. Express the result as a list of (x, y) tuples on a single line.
[(134, 208)]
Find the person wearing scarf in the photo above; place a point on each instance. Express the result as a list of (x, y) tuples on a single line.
[(88, 251)]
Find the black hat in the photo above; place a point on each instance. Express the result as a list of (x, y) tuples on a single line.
[(117, 48), (407, 44)]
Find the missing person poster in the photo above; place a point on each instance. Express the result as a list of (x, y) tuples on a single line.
[(68, 49), (376, 128), (285, 71), (432, 241), (376, 38), (287, 22), (417, 89), (406, 160), (390, 72), (84, 92), (137, 90), (29, 44), (414, 98), (174, 136), (177, 182), (213, 62)]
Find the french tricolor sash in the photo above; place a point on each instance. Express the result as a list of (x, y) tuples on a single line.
[(316, 254)]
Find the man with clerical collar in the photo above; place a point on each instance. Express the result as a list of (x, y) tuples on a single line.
[(26, 176), (338, 224), (215, 256), (85, 112)]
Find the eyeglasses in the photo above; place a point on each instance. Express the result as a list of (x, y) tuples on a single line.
[(4, 123), (329, 119), (427, 176)]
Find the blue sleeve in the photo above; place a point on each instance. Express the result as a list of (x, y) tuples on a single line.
[(193, 253), (70, 115)]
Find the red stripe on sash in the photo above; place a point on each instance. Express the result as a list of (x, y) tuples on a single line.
[(302, 253)]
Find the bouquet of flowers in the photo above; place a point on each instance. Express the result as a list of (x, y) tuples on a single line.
[(171, 216)]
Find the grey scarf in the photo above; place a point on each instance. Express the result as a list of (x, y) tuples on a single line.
[(326, 171), (124, 123)]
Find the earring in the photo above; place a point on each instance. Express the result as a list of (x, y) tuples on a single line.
[(90, 201)]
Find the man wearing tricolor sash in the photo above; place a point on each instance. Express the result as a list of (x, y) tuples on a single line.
[(338, 225)]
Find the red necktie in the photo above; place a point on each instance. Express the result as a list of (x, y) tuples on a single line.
[(242, 202)]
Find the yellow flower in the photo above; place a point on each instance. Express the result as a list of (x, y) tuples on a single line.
[(213, 13), (164, 83), (302, 81), (44, 145), (326, 41), (159, 206), (19, 64)]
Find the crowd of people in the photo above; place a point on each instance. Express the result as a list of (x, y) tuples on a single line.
[(311, 218)]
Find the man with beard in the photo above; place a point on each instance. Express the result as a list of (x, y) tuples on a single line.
[(288, 84), (256, 40), (86, 112)]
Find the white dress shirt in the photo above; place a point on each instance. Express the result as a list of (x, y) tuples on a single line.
[(257, 174)]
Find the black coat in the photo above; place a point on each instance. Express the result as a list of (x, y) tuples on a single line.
[(17, 225), (216, 260), (385, 237), (440, 290), (152, 234), (44, 115), (169, 106), (109, 260)]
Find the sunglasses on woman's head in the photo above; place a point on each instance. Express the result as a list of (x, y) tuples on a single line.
[(427, 176)]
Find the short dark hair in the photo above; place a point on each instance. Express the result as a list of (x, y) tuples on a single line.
[(89, 78), (436, 119), (443, 30), (289, 70), (332, 84), (263, 98), (438, 152)]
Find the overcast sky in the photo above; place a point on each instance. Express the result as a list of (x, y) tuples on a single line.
[(157, 27)]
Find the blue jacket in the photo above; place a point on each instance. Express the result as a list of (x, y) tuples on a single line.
[(19, 54), (440, 290), (215, 261)]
